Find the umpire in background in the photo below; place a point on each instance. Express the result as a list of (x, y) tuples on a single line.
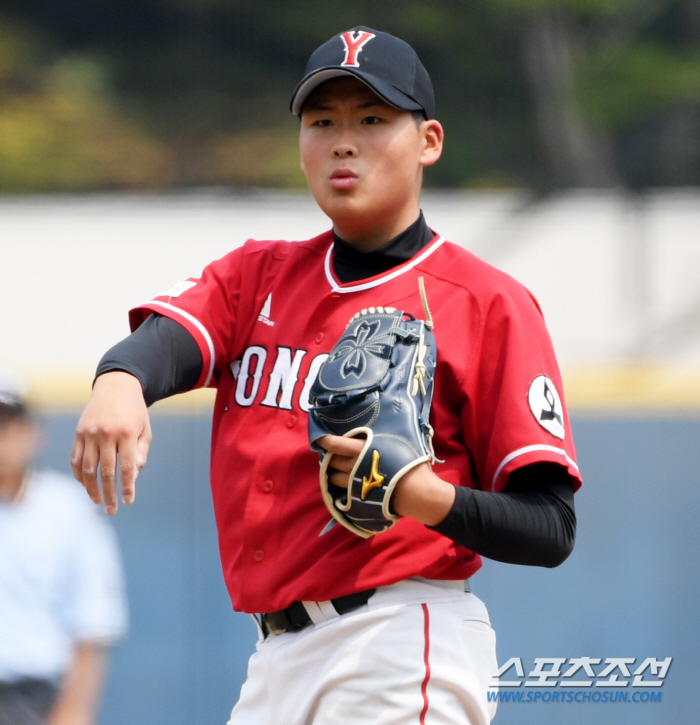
[(62, 598)]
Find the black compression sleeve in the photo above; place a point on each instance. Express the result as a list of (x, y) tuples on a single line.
[(161, 354), (532, 521)]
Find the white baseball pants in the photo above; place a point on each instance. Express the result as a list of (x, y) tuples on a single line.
[(419, 652)]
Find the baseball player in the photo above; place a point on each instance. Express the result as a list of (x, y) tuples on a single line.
[(376, 629)]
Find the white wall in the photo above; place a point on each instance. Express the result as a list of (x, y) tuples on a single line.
[(618, 278)]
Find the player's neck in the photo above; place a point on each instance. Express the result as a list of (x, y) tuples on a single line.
[(351, 264), (366, 238)]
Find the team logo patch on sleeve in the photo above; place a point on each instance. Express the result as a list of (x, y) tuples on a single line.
[(546, 406)]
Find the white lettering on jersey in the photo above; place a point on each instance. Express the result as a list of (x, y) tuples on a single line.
[(264, 315), (243, 398), (283, 377), (310, 378)]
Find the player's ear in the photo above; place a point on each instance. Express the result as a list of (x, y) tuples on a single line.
[(432, 137)]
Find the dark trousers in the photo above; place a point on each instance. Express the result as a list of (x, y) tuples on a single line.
[(27, 702)]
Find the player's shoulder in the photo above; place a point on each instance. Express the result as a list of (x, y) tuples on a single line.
[(256, 260), (284, 249), (465, 270)]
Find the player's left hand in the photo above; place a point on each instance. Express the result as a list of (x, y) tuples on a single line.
[(420, 494), (345, 452)]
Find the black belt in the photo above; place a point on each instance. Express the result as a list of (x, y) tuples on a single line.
[(295, 616)]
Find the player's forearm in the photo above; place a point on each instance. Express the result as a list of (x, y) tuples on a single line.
[(161, 354), (531, 522), (533, 529)]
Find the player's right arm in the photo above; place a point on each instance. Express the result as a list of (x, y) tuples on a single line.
[(179, 341), (156, 361)]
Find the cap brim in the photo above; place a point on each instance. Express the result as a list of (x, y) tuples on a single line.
[(392, 95)]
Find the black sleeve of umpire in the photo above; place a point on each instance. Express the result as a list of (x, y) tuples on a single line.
[(532, 521), (161, 354)]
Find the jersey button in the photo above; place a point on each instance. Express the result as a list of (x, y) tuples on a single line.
[(319, 338), (268, 486), (258, 555), (291, 421)]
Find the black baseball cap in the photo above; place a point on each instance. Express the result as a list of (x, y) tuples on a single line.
[(388, 65)]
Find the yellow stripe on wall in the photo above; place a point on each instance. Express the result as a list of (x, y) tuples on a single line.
[(632, 388), (612, 389)]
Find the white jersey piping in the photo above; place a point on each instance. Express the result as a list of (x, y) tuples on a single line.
[(529, 449), (200, 327), (384, 278)]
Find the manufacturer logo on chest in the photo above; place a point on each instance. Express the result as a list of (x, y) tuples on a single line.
[(265, 312)]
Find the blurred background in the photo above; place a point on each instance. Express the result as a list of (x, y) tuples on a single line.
[(141, 139), (178, 93)]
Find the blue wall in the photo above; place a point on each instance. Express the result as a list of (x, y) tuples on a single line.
[(630, 589)]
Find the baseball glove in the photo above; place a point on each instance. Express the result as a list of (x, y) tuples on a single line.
[(376, 384)]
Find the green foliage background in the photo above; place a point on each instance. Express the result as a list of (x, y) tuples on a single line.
[(96, 94)]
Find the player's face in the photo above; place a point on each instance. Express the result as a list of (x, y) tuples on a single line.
[(364, 159)]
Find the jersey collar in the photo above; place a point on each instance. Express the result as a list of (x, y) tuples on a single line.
[(382, 278)]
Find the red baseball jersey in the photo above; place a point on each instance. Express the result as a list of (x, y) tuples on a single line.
[(265, 317)]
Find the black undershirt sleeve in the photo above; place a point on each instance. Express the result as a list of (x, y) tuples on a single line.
[(161, 354), (532, 521)]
